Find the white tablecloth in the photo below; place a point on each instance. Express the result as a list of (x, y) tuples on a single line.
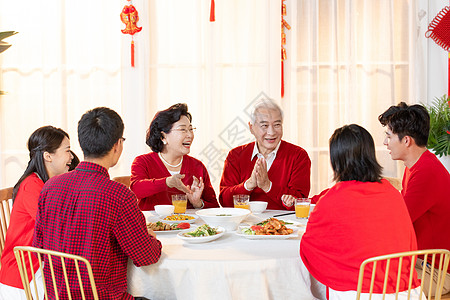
[(230, 267)]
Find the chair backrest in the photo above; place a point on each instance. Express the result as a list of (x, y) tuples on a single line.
[(438, 257), (396, 182), (5, 214), (125, 180), (57, 262)]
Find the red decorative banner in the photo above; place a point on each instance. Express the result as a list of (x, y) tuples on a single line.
[(129, 16), (284, 24), (212, 13)]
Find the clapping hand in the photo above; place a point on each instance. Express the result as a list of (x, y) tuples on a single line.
[(174, 181), (259, 177), (196, 192), (262, 178)]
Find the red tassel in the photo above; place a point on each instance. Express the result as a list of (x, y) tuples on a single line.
[(132, 54), (212, 14), (448, 74), (282, 79)]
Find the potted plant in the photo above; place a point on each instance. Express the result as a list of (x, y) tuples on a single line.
[(439, 138), (4, 45)]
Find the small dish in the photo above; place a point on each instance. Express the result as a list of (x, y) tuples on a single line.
[(201, 239), (180, 221), (164, 210), (258, 207)]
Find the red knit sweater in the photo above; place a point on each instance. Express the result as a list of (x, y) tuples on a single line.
[(289, 174), (148, 181), (354, 221)]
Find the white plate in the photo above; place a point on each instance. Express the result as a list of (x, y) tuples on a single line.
[(292, 222), (202, 239), (181, 221), (267, 237), (164, 232)]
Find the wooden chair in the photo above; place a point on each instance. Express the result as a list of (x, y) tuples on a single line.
[(125, 180), (439, 256), (70, 265), (5, 214), (396, 182)]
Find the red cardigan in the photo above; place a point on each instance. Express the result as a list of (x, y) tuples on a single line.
[(21, 229), (148, 181), (354, 221), (426, 190), (289, 174)]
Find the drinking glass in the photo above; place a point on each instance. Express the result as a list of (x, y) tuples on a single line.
[(302, 207), (179, 201), (241, 201)]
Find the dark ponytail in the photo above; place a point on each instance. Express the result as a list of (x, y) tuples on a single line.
[(44, 139)]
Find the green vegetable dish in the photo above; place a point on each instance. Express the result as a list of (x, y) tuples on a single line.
[(203, 230)]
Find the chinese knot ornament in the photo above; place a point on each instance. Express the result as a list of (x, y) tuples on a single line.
[(129, 16)]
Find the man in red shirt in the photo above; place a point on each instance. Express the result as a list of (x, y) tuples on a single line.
[(269, 169), (425, 180), (87, 214)]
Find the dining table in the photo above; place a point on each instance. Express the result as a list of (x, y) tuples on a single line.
[(230, 267)]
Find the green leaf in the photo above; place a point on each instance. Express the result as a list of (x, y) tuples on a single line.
[(5, 34), (439, 138)]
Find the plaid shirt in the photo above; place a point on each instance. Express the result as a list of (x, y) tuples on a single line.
[(83, 212)]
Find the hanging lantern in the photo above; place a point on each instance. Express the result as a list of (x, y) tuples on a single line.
[(439, 31), (129, 16)]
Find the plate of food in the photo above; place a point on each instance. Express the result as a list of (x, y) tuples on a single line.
[(270, 229), (202, 234), (165, 228), (178, 218), (287, 222)]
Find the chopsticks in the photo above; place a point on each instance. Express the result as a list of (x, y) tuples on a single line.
[(289, 213)]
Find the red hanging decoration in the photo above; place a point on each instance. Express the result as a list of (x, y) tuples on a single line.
[(439, 31), (212, 13), (284, 24), (129, 16)]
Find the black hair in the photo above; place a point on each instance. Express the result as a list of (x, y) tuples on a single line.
[(352, 155), (98, 130), (75, 161), (412, 120), (163, 122), (44, 139)]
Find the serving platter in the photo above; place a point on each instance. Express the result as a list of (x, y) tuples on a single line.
[(201, 239), (267, 237), (164, 232)]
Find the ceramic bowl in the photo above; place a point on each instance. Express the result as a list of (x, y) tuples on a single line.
[(258, 207), (226, 217), (164, 210)]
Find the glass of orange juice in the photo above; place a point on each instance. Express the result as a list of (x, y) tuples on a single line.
[(179, 201), (241, 201), (302, 207)]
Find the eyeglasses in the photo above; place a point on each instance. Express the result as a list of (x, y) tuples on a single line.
[(184, 130)]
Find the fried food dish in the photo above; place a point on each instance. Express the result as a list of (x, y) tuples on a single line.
[(272, 226), (160, 226)]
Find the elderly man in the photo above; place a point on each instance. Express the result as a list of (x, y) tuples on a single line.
[(269, 169), (425, 180)]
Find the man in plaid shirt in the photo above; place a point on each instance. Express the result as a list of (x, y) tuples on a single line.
[(85, 213)]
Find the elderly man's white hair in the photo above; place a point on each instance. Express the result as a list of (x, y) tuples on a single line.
[(267, 104)]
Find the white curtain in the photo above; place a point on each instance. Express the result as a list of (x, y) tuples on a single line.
[(348, 60)]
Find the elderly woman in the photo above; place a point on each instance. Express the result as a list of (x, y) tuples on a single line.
[(169, 170), (361, 216)]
